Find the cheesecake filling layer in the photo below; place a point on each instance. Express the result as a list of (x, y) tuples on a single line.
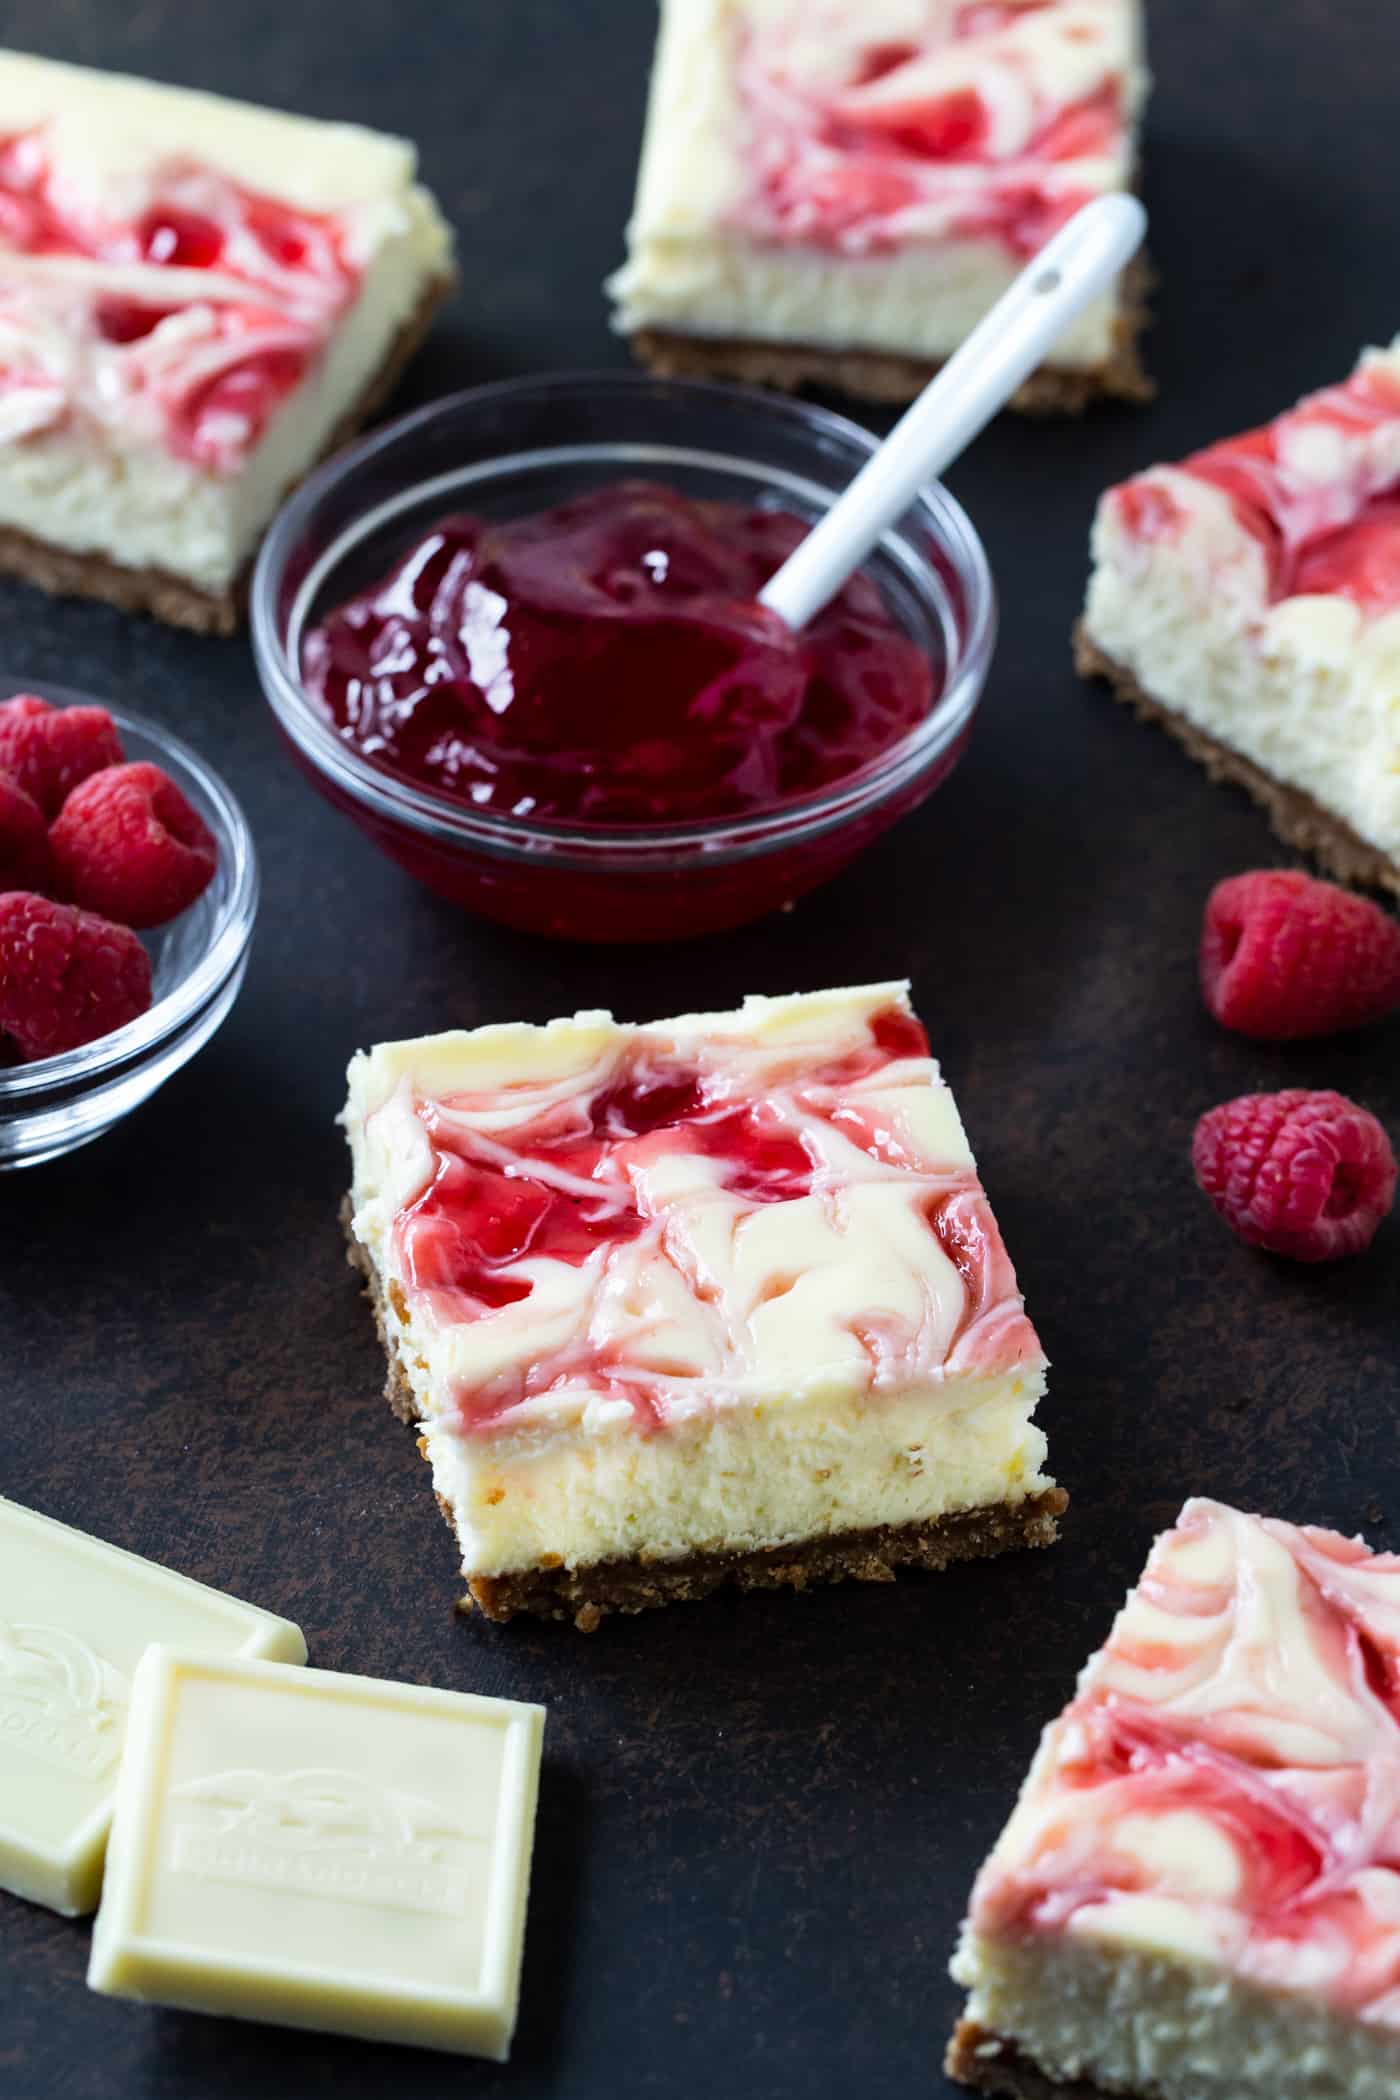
[(1199, 1883), (719, 1283), (176, 342), (740, 1479), (1139, 2023), (1255, 590), (873, 177)]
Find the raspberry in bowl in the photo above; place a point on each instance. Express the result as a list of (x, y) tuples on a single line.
[(515, 637), (157, 996)]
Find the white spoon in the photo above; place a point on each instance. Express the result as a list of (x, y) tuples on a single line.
[(1003, 349)]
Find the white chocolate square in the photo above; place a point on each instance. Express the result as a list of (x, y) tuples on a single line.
[(75, 1618), (323, 1851)]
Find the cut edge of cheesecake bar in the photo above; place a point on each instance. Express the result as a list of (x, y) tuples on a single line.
[(65, 573), (885, 376), (1294, 816), (1049, 2034), (587, 1594)]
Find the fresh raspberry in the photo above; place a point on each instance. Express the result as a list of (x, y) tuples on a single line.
[(66, 976), (25, 862), (1284, 955), (48, 750), (127, 844), (1309, 1175)]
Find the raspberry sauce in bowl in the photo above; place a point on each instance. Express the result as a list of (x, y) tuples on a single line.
[(607, 662), (516, 637)]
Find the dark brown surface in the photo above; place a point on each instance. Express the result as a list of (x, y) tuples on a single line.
[(877, 375), (1004, 2071), (760, 1817), (174, 599), (588, 1595), (1297, 819)]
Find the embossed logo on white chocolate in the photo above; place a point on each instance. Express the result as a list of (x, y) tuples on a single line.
[(60, 1702), (326, 1833)]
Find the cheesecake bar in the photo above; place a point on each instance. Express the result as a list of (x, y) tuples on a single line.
[(1198, 1894), (715, 1300), (836, 194), (198, 299), (1248, 600)]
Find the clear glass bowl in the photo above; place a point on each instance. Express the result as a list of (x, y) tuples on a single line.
[(198, 962), (502, 451)]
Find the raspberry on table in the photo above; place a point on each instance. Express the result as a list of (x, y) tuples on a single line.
[(1284, 955), (127, 844), (1306, 1174), (47, 750), (66, 976), (25, 861)]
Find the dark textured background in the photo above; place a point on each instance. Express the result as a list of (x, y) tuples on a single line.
[(759, 1817)]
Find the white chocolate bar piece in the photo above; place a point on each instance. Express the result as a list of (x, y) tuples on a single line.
[(322, 1851), (75, 1618)]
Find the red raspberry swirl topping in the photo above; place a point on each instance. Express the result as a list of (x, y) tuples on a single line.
[(197, 316), (996, 124), (630, 1232)]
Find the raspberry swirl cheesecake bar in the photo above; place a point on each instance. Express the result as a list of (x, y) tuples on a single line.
[(1248, 600), (836, 191), (715, 1300), (197, 300), (1198, 1894)]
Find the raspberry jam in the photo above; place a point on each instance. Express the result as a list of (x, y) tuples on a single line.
[(517, 710), (993, 122), (480, 1216), (223, 367), (621, 1206), (1336, 534), (1360, 561), (607, 663)]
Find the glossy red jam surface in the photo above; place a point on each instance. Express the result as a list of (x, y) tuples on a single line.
[(607, 663)]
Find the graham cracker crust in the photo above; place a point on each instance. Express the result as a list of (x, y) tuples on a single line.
[(586, 1595), (1295, 817), (174, 599), (397, 1390), (880, 375), (991, 2064)]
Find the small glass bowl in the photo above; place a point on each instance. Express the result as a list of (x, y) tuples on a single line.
[(198, 962), (525, 445)]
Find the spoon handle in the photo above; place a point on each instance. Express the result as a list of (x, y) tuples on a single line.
[(1003, 349)]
